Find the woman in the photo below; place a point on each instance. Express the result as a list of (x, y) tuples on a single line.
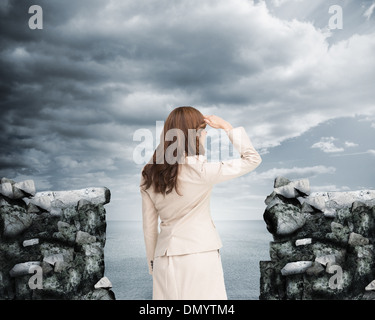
[(176, 187)]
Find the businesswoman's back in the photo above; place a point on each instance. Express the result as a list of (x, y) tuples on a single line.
[(176, 187)]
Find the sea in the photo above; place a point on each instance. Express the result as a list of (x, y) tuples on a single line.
[(245, 243)]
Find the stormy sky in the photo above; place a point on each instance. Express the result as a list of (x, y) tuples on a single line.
[(74, 93)]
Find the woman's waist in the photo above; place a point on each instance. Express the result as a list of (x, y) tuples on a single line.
[(189, 239), (175, 249)]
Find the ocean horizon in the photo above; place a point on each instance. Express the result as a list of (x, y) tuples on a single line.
[(245, 243)]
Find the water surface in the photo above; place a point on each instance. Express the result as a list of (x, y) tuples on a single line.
[(245, 243)]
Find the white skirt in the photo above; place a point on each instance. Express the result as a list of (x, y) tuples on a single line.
[(196, 276)]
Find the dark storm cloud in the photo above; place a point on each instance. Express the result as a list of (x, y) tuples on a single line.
[(83, 47)]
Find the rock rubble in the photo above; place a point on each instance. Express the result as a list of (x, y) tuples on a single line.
[(52, 243), (323, 244)]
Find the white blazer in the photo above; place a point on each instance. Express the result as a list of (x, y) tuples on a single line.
[(185, 220)]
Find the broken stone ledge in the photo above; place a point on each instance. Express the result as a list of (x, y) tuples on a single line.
[(60, 233), (55, 201), (318, 236)]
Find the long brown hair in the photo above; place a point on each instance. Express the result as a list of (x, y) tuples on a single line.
[(161, 172)]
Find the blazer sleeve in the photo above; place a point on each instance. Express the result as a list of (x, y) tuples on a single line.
[(150, 227), (216, 172)]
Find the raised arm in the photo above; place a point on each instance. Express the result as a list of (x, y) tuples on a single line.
[(216, 172)]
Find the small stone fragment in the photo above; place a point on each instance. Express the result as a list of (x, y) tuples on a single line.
[(46, 267), (356, 239), (30, 242), (294, 189), (280, 181), (315, 269), (16, 222), (283, 219), (303, 242), (325, 259), (296, 267), (52, 259), (317, 202), (32, 208), (103, 283), (27, 186), (43, 202), (84, 237), (21, 269), (370, 286), (329, 212), (6, 189)]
